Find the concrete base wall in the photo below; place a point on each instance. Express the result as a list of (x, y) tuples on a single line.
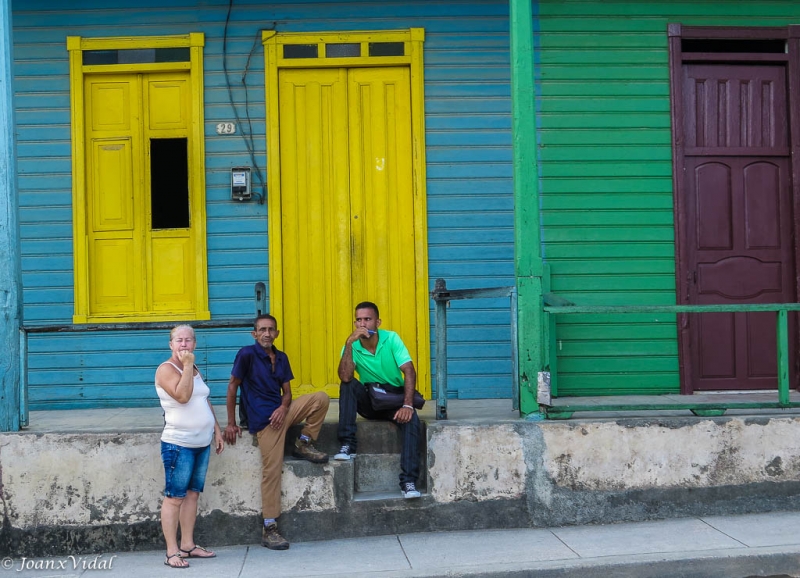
[(70, 493)]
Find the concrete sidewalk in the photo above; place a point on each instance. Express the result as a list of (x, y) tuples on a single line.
[(709, 547)]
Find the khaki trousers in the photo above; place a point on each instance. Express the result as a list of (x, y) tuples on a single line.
[(312, 408)]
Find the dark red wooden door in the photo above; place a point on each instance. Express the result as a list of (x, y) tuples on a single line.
[(738, 220)]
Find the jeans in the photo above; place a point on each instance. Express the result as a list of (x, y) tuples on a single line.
[(185, 469), (354, 398)]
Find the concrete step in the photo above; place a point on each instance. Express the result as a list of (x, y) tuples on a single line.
[(374, 437), (376, 472), (386, 496), (376, 468), (380, 473)]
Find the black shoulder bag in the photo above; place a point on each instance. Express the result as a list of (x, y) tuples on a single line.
[(388, 397)]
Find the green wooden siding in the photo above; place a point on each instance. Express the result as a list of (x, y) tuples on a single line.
[(606, 179)]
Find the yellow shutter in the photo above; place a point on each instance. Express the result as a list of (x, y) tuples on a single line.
[(114, 215), (134, 270), (125, 270), (171, 259)]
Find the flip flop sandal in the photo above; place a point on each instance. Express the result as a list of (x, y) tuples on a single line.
[(178, 555), (188, 553)]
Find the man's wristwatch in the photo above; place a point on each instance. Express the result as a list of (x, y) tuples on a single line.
[(411, 407)]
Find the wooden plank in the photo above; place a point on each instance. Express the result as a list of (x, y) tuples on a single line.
[(608, 332), (573, 283), (610, 233), (649, 185), (718, 409), (607, 137), (638, 383), (650, 54), (619, 348), (527, 254), (601, 169), (621, 250), (610, 365), (565, 120), (612, 320), (11, 310), (722, 12), (632, 153), (623, 309), (600, 41), (608, 267)]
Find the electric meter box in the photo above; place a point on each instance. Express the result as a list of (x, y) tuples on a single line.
[(240, 184)]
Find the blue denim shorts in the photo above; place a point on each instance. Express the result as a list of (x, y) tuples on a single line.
[(185, 469)]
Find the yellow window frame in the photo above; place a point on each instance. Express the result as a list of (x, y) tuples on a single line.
[(76, 45), (413, 39)]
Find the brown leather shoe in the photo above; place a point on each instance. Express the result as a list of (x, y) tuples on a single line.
[(272, 540), (307, 451)]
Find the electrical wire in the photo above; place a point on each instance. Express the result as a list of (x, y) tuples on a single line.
[(247, 135), (246, 94)]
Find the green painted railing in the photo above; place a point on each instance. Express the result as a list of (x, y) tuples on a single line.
[(555, 306)]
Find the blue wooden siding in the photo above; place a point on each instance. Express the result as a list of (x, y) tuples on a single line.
[(470, 195)]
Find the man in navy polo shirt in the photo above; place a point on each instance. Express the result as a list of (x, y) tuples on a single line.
[(265, 375)]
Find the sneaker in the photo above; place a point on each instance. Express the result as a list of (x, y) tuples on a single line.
[(346, 453), (410, 491), (271, 539), (306, 451)]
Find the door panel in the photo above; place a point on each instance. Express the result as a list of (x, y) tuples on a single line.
[(762, 204), (172, 275), (109, 102), (114, 247), (315, 233), (735, 107), (113, 275), (739, 216), (111, 186), (168, 102), (347, 220), (381, 196), (738, 209)]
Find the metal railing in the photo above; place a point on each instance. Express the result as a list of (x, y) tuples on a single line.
[(555, 305), (442, 296)]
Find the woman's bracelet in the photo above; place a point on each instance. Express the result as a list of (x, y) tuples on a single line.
[(409, 406)]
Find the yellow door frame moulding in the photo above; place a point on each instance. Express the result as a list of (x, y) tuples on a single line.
[(413, 39), (76, 45)]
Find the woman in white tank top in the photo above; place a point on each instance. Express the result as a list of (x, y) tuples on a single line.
[(189, 429)]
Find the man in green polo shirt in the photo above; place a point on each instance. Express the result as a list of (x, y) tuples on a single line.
[(378, 356)]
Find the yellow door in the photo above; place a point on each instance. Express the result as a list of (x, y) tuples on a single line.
[(347, 214), (141, 250)]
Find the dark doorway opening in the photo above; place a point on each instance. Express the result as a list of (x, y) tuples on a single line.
[(169, 183)]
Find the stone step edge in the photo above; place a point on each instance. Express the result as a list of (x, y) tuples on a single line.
[(383, 496)]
